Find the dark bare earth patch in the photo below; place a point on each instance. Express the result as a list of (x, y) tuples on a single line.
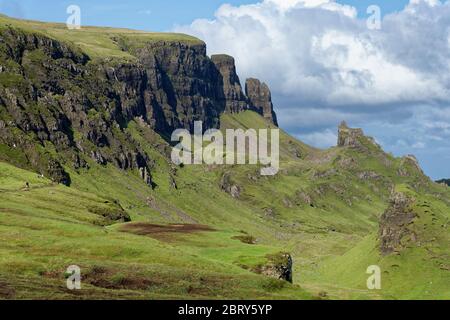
[(6, 292), (109, 278), (247, 239), (163, 232)]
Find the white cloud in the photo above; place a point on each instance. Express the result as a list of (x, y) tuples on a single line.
[(286, 5), (419, 145), (431, 3), (319, 51)]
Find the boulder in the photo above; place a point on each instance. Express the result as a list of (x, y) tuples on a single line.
[(227, 185)]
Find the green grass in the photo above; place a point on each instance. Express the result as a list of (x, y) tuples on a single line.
[(97, 42), (49, 227), (420, 271)]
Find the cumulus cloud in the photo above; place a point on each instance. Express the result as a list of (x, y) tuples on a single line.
[(324, 65)]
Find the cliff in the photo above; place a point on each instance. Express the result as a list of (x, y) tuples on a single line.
[(60, 106), (230, 90)]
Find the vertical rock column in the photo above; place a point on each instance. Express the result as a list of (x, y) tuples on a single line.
[(260, 99), (230, 90)]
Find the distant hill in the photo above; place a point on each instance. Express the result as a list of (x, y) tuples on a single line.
[(445, 181)]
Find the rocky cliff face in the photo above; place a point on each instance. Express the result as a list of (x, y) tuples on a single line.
[(59, 108), (230, 90), (260, 99), (183, 86)]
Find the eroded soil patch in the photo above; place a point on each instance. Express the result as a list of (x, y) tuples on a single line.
[(105, 278), (109, 278), (163, 232)]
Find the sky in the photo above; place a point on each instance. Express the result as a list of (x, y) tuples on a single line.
[(321, 58), (154, 15)]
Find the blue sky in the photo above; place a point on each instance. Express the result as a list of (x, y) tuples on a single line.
[(154, 15), (321, 61)]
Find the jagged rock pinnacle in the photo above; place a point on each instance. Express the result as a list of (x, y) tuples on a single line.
[(348, 137), (260, 99)]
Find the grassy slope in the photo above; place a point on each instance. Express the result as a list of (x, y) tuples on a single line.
[(421, 270), (49, 227)]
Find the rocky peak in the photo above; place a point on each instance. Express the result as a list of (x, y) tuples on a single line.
[(348, 137), (260, 99), (232, 94), (354, 138)]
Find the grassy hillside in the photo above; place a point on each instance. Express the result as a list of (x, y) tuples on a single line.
[(48, 227), (420, 270)]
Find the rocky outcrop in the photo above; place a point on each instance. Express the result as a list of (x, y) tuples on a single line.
[(410, 166), (348, 137), (354, 138), (112, 213), (304, 198), (227, 185), (279, 266), (395, 223), (260, 99), (229, 90), (368, 175)]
